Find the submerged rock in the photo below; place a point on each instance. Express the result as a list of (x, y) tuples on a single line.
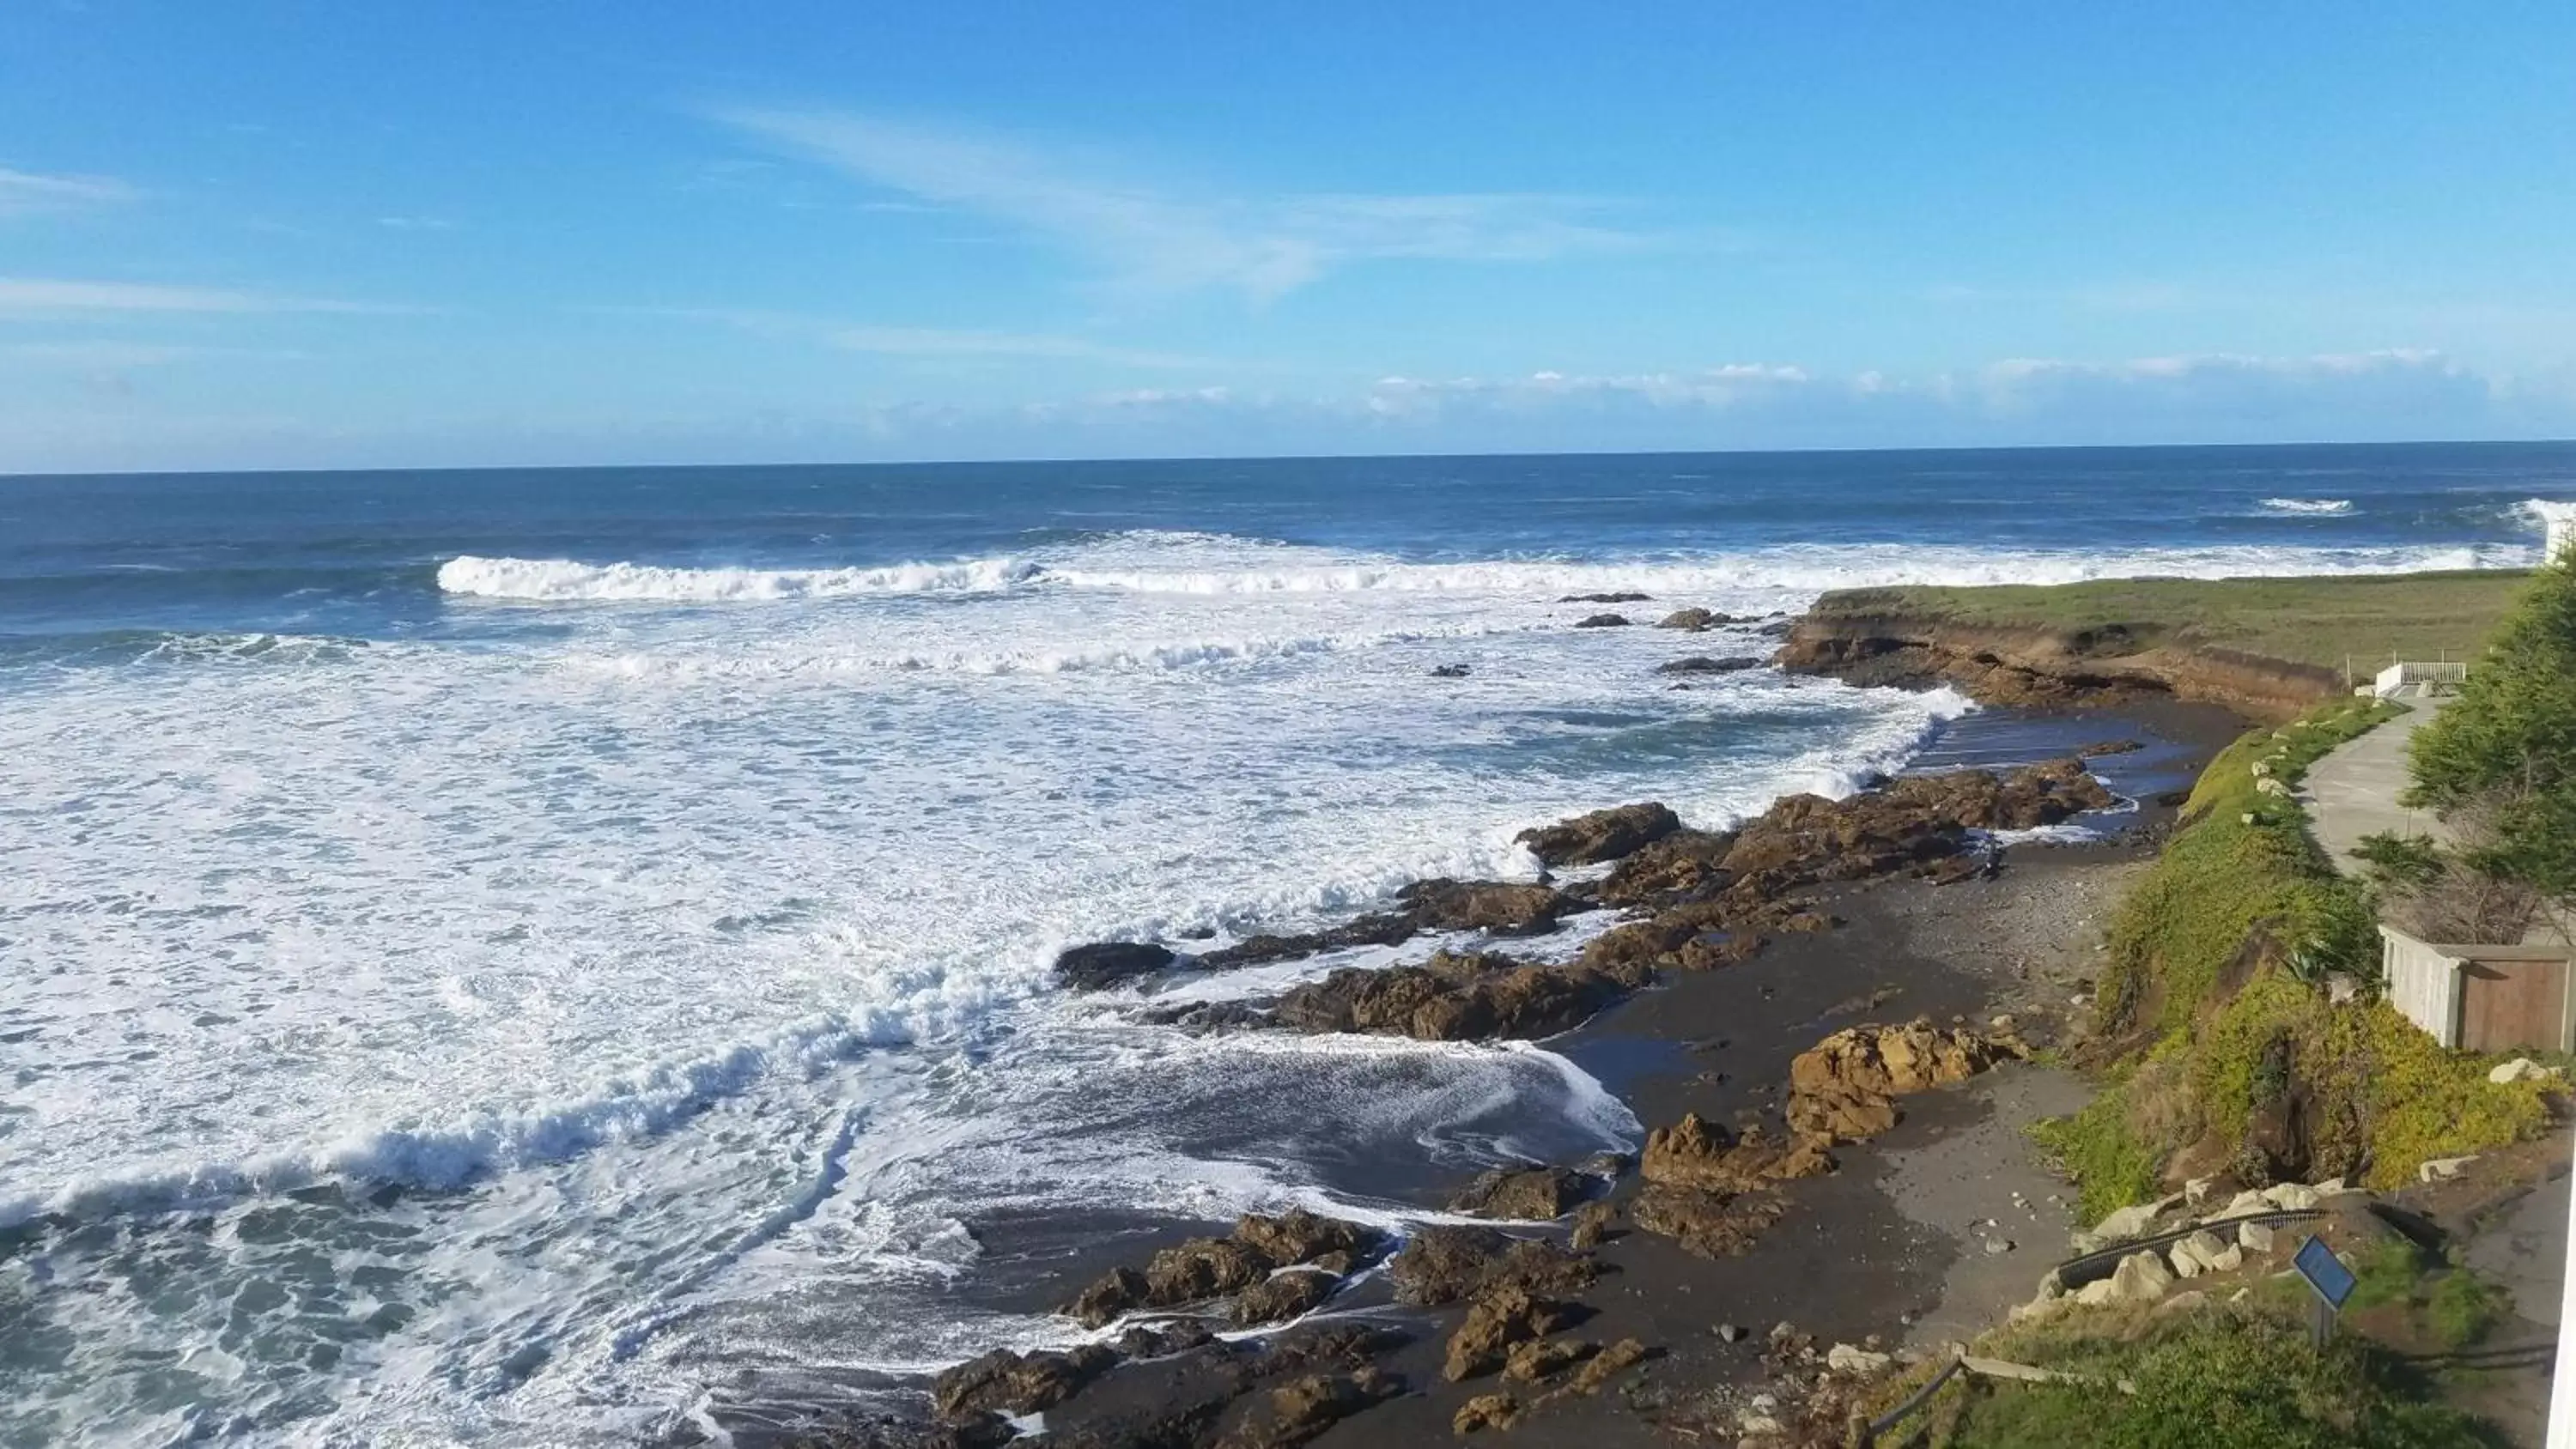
[(1622, 598), (1600, 835), (1602, 621), (1693, 620), (1449, 671), (1703, 664)]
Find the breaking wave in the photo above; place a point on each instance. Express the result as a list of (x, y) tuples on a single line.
[(1274, 569), (2308, 505)]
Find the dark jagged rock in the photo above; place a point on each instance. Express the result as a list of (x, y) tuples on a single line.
[(2099, 748), (1449, 905), (1693, 620), (1602, 621), (1299, 1236), (1385, 928), (1446, 1264), (1683, 863), (1013, 1383), (1164, 1340), (1456, 996), (1524, 1194), (1600, 835), (1703, 664), (1449, 671), (1287, 1294), (1696, 1153), (1606, 599), (1204, 1268), (1104, 964)]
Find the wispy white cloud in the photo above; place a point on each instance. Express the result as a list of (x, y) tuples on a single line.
[(415, 223), (925, 342), (42, 296), (1164, 240), (22, 192)]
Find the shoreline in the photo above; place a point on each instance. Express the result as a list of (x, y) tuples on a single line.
[(1863, 1255)]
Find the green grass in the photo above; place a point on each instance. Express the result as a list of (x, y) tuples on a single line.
[(2217, 1378), (2242, 899), (2311, 621)]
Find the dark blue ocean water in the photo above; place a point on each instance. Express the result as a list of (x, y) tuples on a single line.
[(357, 553)]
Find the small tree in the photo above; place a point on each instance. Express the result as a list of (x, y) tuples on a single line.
[(2506, 748)]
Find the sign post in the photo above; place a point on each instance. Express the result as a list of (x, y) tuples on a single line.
[(2331, 1280)]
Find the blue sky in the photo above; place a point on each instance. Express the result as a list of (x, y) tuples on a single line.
[(362, 234)]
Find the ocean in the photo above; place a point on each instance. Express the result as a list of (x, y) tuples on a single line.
[(562, 957)]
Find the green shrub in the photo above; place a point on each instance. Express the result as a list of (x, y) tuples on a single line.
[(2215, 1379)]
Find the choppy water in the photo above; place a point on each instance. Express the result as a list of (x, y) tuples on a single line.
[(532, 957)]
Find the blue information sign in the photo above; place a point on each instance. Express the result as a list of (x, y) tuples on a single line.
[(2324, 1271)]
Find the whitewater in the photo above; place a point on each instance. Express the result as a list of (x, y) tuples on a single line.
[(475, 988)]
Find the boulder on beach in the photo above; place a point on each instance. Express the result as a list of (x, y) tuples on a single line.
[(1498, 1318), (1710, 1224), (1286, 1294), (1683, 862), (1204, 1268), (1014, 1383), (1454, 996), (1844, 1088), (1446, 1264), (1697, 1153), (1103, 964), (1600, 835)]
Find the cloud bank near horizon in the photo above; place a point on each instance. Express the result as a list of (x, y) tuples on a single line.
[(2218, 398)]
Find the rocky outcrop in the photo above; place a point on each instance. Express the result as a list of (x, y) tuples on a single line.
[(1242, 1262), (1447, 1264), (1288, 1293), (1602, 621), (1708, 1188), (1187, 1390), (1005, 1382), (1103, 964), (1619, 598), (1681, 864), (1456, 996), (1867, 636), (1525, 1194), (1500, 907), (1844, 1089), (1710, 1224), (1497, 1319), (1693, 620), (1601, 835)]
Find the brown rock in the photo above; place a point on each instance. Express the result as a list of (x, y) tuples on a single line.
[(1445, 1264), (1306, 1407), (1299, 1236), (1540, 1358), (1699, 1154), (1592, 1223), (1682, 862), (1692, 619), (1497, 1318), (1606, 1365), (1602, 621), (1601, 835), (1203, 1268), (1454, 996), (1013, 1383), (1844, 1088), (1288, 1294), (1525, 1194), (1486, 1411), (1448, 905), (1115, 1292), (1711, 1224)]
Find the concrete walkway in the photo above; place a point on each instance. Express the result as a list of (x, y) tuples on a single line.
[(2353, 791)]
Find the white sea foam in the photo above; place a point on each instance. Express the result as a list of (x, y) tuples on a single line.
[(2308, 505), (1284, 570), (688, 967)]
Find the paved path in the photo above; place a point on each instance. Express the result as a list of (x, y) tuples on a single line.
[(2353, 791)]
